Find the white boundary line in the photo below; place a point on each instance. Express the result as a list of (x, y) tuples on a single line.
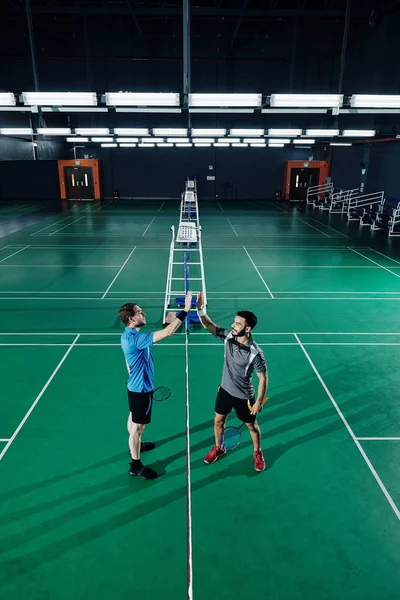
[(188, 480), (221, 298), (51, 225), (258, 272), (10, 255), (316, 267), (161, 207), (44, 388), (312, 226), (130, 254), (74, 266), (215, 344), (384, 255), (375, 263), (222, 210), (4, 439), (148, 227), (355, 440), (379, 439), (65, 226), (234, 230), (328, 227)]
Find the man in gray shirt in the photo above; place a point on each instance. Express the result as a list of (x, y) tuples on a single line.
[(242, 357)]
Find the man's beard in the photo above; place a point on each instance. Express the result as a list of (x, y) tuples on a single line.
[(241, 332)]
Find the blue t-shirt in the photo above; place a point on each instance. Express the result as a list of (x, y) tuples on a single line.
[(136, 347)]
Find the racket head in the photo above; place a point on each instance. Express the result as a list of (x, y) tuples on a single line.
[(232, 437), (161, 393)]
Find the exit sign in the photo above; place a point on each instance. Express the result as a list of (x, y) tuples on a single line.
[(306, 164), (77, 162)]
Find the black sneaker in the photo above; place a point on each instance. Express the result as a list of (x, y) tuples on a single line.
[(142, 471)]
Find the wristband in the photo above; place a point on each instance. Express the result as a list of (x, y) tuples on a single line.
[(202, 312), (182, 315)]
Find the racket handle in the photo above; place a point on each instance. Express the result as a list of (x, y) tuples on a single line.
[(263, 402)]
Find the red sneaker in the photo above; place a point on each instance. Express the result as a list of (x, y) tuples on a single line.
[(214, 454), (259, 462)]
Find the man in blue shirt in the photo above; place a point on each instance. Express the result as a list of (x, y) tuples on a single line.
[(139, 362)]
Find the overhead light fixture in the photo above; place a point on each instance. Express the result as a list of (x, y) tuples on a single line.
[(258, 145), (7, 99), (303, 141), (131, 131), (247, 132), (307, 100), (286, 132), (196, 145), (129, 140), (322, 132), (221, 145), (74, 109), (127, 145), (258, 141), (208, 132), (16, 131), (77, 139), (279, 141), (375, 101), (109, 145), (146, 145), (225, 100), (204, 140), (211, 111), (359, 132), (102, 139), (141, 99), (154, 140), (228, 140), (171, 131), (239, 145), (92, 131), (183, 145), (148, 110), (303, 147), (59, 98), (276, 145), (54, 130), (340, 144), (178, 140), (166, 145)]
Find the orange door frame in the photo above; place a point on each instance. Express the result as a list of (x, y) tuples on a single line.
[(79, 163), (322, 165)]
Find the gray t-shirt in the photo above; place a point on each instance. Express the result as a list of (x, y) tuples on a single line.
[(239, 363)]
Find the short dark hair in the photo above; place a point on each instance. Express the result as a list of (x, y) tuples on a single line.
[(127, 311), (249, 317)]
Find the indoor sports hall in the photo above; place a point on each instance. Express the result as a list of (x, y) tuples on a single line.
[(281, 197)]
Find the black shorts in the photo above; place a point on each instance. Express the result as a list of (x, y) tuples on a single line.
[(225, 402), (140, 405)]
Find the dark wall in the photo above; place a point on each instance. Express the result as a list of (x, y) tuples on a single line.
[(346, 166), (29, 179), (384, 168)]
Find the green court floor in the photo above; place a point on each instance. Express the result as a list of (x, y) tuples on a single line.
[(322, 522)]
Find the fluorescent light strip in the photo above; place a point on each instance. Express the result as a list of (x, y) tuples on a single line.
[(166, 145), (146, 145), (7, 99), (276, 145), (359, 132), (207, 132), (129, 140), (102, 139), (127, 145), (16, 131), (210, 111), (307, 100), (148, 110), (54, 130), (221, 145), (239, 145), (296, 111), (72, 109), (183, 145), (259, 141), (131, 131), (225, 100), (258, 145), (340, 144), (375, 101), (171, 131), (228, 140), (285, 132), (204, 140), (77, 139), (322, 132), (177, 140), (109, 145), (141, 99), (303, 141), (247, 132), (201, 145), (92, 131), (279, 141), (59, 98), (155, 140)]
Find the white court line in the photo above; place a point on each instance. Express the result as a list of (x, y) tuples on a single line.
[(44, 388), (4, 247), (161, 207), (222, 210), (234, 230), (51, 225), (291, 333), (315, 267), (147, 228), (259, 274), (323, 292), (312, 226), (223, 298), (349, 429), (328, 227), (65, 226), (69, 266), (379, 439), (7, 257), (188, 479), (4, 439), (384, 255), (130, 254), (375, 263), (101, 206), (214, 344)]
